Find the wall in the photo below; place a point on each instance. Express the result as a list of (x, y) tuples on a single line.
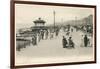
[(5, 33)]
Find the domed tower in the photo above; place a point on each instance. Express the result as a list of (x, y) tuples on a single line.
[(39, 25), (39, 22)]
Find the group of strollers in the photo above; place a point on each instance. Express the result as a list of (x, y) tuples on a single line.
[(69, 43)]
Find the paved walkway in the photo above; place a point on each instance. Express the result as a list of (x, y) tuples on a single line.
[(47, 49)]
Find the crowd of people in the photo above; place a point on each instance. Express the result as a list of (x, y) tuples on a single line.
[(51, 33), (44, 35), (69, 43)]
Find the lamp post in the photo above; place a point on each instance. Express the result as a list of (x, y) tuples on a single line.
[(54, 20)]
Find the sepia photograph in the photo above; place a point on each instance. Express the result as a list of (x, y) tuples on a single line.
[(51, 34)]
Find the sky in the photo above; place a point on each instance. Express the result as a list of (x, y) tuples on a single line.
[(25, 14)]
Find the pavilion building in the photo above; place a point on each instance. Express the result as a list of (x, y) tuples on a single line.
[(39, 25)]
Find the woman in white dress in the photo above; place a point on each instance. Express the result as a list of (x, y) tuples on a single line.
[(82, 41), (90, 41)]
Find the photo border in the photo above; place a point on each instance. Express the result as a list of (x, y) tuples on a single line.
[(12, 33)]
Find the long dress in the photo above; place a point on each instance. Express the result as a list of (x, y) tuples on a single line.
[(71, 43), (90, 43), (85, 41), (64, 41), (82, 42)]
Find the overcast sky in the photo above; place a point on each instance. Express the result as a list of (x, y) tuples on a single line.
[(25, 14)]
